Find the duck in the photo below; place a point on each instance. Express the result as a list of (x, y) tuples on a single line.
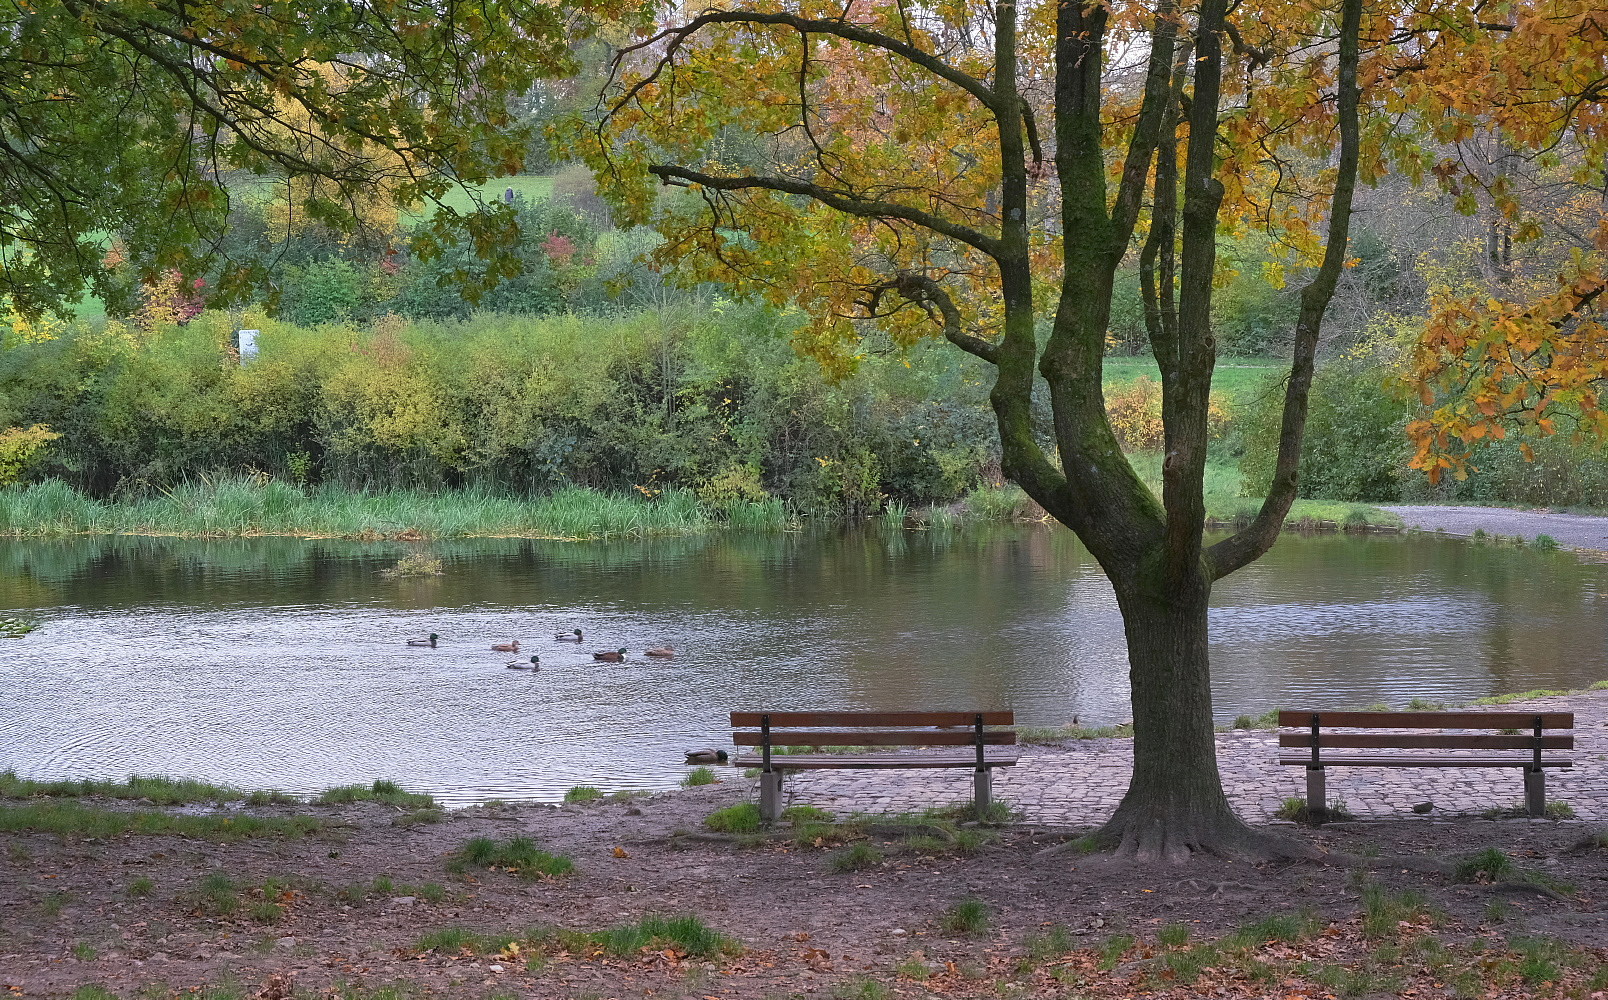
[(706, 756), (429, 640), (574, 636), (663, 652), (613, 656), (506, 647), (535, 664)]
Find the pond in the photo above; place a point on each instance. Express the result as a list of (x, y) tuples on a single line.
[(280, 663)]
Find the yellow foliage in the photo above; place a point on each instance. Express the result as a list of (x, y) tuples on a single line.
[(1134, 413), (19, 446), (32, 332), (293, 209)]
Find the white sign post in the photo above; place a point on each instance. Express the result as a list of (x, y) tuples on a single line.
[(248, 346)]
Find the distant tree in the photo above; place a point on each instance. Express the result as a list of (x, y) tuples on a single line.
[(136, 118)]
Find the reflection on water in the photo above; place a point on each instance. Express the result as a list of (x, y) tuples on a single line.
[(279, 662)]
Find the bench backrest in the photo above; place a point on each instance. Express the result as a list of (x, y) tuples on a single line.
[(834, 728), (1532, 725)]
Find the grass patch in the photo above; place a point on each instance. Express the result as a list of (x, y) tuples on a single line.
[(583, 794), (699, 776), (969, 916), (518, 855), (687, 934), (1174, 935), (856, 857), (860, 988), (158, 790), (806, 814), (1112, 950), (1286, 928), (219, 894), (232, 507), (1267, 720), (388, 792), (1505, 699), (141, 887), (1295, 810), (1041, 736), (1489, 865), (69, 819), (740, 818), (1053, 943), (1383, 911)]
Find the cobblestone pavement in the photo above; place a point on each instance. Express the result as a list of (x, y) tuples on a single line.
[(1081, 784)]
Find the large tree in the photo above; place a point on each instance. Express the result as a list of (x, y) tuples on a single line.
[(961, 169), (135, 118)]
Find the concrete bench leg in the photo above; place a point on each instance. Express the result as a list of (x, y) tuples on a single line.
[(1535, 792), (982, 789), (770, 796), (1317, 794)]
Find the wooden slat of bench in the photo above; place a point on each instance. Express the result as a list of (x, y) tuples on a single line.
[(1425, 741), (1417, 761), (892, 761), (1430, 720), (908, 738), (751, 720)]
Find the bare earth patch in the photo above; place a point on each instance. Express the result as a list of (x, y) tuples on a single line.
[(882, 907)]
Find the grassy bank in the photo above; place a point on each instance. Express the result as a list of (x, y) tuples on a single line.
[(245, 507)]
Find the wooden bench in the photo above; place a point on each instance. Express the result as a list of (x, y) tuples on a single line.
[(769, 730), (1321, 741)]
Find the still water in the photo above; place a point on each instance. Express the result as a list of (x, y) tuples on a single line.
[(280, 662)]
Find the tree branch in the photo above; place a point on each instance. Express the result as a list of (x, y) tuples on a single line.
[(841, 28), (926, 292), (843, 201), (1248, 545)]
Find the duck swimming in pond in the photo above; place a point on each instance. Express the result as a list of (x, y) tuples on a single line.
[(614, 656), (662, 652), (506, 647), (574, 636), (429, 640), (534, 664), (706, 756)]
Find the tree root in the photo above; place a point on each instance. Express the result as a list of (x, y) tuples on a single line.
[(1176, 839)]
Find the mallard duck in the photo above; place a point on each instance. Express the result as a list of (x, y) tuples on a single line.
[(429, 640), (663, 652), (614, 656), (534, 664), (506, 647), (574, 636), (706, 756)]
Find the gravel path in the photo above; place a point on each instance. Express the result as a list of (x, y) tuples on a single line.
[(1574, 531)]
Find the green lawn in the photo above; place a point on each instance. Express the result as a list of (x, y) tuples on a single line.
[(1239, 378), (533, 189)]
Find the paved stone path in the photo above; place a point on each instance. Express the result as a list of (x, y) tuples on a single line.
[(1082, 784), (1572, 531)]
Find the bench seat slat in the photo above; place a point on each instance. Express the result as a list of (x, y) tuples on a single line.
[(833, 761), (1329, 760), (907, 738), (1429, 720), (751, 720), (1425, 741)]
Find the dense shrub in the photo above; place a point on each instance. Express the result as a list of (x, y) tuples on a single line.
[(711, 399), (1354, 447)]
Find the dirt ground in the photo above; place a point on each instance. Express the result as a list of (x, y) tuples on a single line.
[(68, 918)]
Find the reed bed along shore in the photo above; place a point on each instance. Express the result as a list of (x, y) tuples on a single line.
[(233, 508), (243, 507)]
